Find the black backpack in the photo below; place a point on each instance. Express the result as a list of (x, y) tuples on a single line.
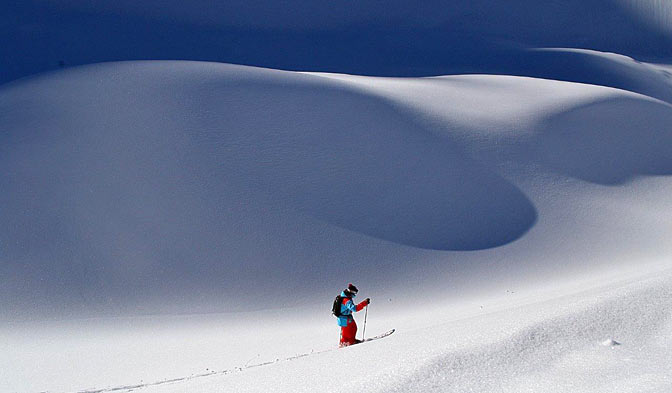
[(336, 308)]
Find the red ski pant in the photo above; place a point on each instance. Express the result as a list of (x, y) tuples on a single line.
[(348, 333)]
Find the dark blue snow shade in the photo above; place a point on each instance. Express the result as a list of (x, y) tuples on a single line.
[(391, 37)]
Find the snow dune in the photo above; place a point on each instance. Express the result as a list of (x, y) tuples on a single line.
[(202, 173), (391, 38), (133, 183), (553, 346), (518, 341), (182, 187), (494, 175)]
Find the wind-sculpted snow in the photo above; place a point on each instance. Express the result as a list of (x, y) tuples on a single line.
[(125, 183), (171, 186), (494, 175), (513, 343), (354, 161), (658, 12), (392, 38), (184, 187), (565, 353), (609, 141), (605, 136), (590, 67)]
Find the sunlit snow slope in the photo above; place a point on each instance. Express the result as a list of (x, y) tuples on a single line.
[(170, 186), (499, 185), (182, 187)]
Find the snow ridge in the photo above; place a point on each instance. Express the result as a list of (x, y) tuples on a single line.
[(557, 354)]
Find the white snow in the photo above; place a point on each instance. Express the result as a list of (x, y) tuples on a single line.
[(610, 343), (183, 226), (304, 198)]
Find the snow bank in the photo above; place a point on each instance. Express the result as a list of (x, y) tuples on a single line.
[(155, 180), (373, 38), (638, 134), (562, 353), (171, 187), (185, 187), (548, 339), (508, 222), (656, 11), (552, 345)]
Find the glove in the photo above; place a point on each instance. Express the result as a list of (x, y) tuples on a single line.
[(367, 300)]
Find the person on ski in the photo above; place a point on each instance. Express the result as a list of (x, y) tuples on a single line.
[(345, 320)]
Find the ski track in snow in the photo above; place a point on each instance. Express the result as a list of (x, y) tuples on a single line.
[(558, 194), (565, 339), (208, 374), (498, 183), (131, 388), (213, 373)]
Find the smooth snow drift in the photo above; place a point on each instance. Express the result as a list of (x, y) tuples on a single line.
[(178, 187), (391, 38), (494, 175), (137, 183)]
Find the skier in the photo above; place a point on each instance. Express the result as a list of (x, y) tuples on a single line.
[(345, 319)]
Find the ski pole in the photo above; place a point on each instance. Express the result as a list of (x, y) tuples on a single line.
[(366, 314)]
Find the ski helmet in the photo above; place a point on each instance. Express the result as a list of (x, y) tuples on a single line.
[(351, 290)]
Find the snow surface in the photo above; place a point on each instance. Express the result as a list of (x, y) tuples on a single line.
[(391, 38), (182, 187), (183, 226)]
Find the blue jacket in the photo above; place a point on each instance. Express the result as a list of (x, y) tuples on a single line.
[(347, 308)]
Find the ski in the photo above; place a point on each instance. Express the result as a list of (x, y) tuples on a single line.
[(383, 335)]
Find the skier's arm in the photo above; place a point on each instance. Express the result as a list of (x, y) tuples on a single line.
[(350, 306), (363, 304)]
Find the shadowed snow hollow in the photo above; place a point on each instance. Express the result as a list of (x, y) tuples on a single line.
[(170, 187), (146, 180), (609, 141)]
